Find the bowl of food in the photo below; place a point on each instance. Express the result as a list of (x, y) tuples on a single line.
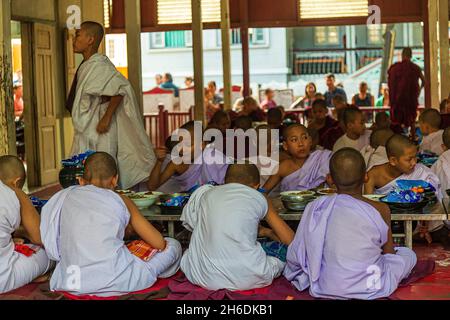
[(143, 201), (327, 191), (297, 200)]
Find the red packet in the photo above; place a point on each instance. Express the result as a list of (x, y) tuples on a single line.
[(142, 250), (26, 249)]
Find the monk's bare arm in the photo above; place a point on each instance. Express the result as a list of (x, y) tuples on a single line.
[(105, 122), (274, 180), (279, 226), (369, 186), (158, 178), (143, 228), (30, 218)]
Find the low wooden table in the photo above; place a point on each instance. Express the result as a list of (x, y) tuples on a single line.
[(436, 212)]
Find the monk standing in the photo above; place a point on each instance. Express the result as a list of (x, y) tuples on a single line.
[(404, 90), (105, 113)]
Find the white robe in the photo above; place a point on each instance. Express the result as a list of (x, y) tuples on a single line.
[(442, 170), (374, 157), (346, 142), (223, 252), (433, 142), (126, 140), (83, 230), (16, 270)]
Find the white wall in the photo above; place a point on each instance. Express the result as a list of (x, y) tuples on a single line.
[(267, 62)]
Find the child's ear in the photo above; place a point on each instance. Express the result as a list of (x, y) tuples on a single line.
[(366, 178), (393, 161), (17, 183), (285, 148), (115, 181), (330, 180)]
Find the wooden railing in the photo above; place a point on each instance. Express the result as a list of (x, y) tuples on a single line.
[(159, 126)]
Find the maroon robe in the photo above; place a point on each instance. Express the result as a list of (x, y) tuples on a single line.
[(404, 91)]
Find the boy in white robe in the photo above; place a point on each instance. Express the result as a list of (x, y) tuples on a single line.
[(105, 114), (83, 230), (16, 210), (430, 123), (356, 135), (375, 153), (343, 248), (224, 252), (442, 168), (402, 165)]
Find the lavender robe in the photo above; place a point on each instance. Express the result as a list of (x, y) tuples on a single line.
[(311, 175), (337, 252)]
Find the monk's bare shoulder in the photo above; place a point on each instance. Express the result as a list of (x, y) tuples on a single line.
[(287, 167), (382, 208)]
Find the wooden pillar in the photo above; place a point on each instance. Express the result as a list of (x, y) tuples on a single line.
[(226, 54), (7, 124), (444, 48), (133, 31), (431, 54), (245, 46), (197, 49)]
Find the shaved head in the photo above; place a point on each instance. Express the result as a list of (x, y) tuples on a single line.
[(350, 115), (380, 137), (396, 146), (446, 137), (348, 169), (291, 127), (382, 120), (94, 29), (432, 117), (11, 169), (100, 166), (246, 174)]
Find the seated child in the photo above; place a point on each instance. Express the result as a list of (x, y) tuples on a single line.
[(314, 134), (375, 153), (210, 165), (430, 122), (16, 210), (85, 226), (382, 121), (305, 170), (275, 118), (356, 135), (344, 239), (322, 121), (402, 165), (224, 252)]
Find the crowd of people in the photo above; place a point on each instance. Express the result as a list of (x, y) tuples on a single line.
[(340, 239)]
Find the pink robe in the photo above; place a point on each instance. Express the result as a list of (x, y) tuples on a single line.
[(337, 252), (311, 175)]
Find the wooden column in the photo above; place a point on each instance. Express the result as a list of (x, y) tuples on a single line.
[(197, 49), (245, 46), (226, 54), (444, 48), (7, 124), (431, 54), (133, 31)]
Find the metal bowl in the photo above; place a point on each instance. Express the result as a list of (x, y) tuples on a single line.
[(294, 205)]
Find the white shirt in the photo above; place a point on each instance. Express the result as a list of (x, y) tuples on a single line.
[(346, 142)]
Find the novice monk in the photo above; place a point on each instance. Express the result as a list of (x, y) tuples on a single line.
[(210, 165), (223, 252), (83, 229), (356, 135), (16, 209), (322, 121), (375, 153), (305, 169), (430, 123), (402, 165), (442, 167), (343, 248)]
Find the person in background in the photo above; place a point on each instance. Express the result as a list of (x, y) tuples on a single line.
[(239, 103), (333, 90), (168, 84), (18, 101), (216, 99), (269, 103), (363, 98), (158, 80), (383, 100), (189, 82)]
